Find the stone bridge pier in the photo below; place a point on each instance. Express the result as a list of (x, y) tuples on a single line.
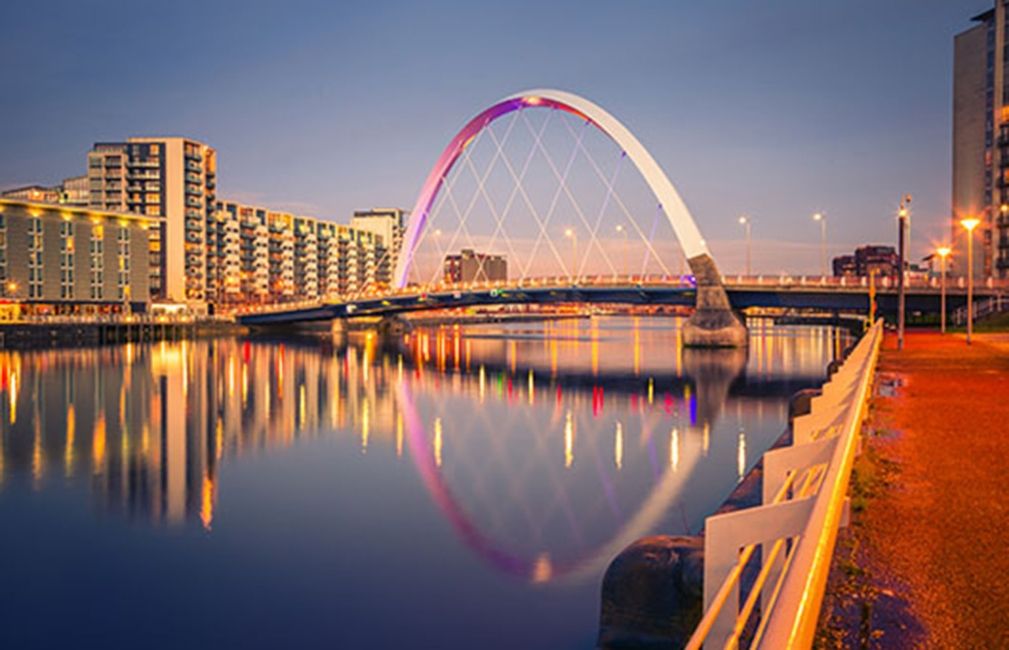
[(713, 323)]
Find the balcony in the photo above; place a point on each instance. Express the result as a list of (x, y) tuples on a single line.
[(194, 202), (193, 190), (193, 155), (193, 166)]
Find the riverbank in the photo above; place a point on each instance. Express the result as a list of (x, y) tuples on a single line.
[(923, 563), (26, 336)]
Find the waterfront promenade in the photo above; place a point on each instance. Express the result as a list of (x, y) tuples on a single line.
[(931, 541)]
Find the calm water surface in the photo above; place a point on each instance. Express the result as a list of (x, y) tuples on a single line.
[(457, 488)]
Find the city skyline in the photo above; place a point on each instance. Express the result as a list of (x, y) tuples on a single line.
[(322, 125)]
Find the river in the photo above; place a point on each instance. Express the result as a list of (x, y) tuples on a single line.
[(454, 488)]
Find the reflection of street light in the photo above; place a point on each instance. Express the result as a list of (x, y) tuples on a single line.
[(943, 252), (744, 221), (970, 223), (623, 231), (573, 236), (822, 218)]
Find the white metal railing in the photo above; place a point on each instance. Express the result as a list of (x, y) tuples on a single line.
[(982, 307), (804, 495)]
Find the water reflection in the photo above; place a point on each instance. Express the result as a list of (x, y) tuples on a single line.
[(546, 447)]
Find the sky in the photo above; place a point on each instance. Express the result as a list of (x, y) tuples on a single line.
[(776, 109)]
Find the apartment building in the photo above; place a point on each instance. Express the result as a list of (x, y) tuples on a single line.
[(981, 139), (60, 260), (282, 257), (170, 177), (388, 223)]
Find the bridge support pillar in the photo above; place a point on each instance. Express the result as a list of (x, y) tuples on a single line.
[(713, 323), (393, 326)]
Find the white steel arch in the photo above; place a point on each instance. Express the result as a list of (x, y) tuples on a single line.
[(669, 199)]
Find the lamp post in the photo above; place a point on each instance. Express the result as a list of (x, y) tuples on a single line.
[(943, 252), (903, 219), (623, 231), (970, 223), (572, 234), (822, 218), (744, 221)]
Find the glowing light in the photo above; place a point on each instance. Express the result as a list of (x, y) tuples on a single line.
[(68, 452), (532, 387), (437, 442), (399, 435), (674, 449), (13, 398), (365, 426), (533, 101), (569, 440), (207, 502), (542, 570), (970, 223), (98, 444), (618, 446), (943, 251), (38, 460), (741, 454)]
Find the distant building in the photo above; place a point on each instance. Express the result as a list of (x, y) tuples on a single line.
[(844, 266), (470, 266), (34, 193), (74, 191), (881, 260), (981, 139), (57, 259), (170, 177)]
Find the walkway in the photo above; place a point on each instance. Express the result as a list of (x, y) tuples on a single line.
[(935, 535)]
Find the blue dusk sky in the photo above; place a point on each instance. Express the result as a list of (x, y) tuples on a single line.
[(774, 109)]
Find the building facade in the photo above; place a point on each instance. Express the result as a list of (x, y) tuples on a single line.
[(981, 139), (60, 260), (170, 177), (388, 223), (867, 260), (281, 257), (471, 266)]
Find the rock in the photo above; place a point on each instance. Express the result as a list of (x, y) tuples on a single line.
[(652, 593)]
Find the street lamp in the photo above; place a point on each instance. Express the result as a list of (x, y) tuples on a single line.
[(970, 223), (822, 218), (12, 288), (623, 231), (903, 228), (571, 234), (943, 252), (744, 221)]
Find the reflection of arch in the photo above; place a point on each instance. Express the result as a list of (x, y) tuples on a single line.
[(540, 569), (669, 199)]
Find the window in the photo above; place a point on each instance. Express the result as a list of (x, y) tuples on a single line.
[(66, 260), (97, 249), (35, 243), (123, 257)]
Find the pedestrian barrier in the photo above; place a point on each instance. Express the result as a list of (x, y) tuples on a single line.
[(805, 490)]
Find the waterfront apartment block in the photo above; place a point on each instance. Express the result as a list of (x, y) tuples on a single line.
[(63, 260), (273, 256), (170, 177), (981, 139), (388, 223)]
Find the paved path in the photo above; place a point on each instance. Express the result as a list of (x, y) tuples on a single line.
[(942, 528)]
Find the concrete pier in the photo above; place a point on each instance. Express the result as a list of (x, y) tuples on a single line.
[(713, 323)]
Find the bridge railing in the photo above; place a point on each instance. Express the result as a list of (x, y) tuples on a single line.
[(804, 503)]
